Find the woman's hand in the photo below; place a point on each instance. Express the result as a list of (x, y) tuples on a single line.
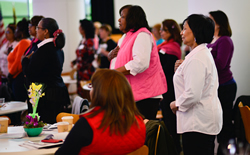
[(173, 107), (177, 64), (113, 53), (28, 56)]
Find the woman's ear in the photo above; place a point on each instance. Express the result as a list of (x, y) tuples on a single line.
[(46, 33)]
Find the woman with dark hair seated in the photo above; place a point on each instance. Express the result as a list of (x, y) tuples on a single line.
[(197, 106), (84, 54), (138, 59), (45, 66), (113, 125)]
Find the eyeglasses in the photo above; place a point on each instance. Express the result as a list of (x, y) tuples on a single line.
[(30, 25), (39, 28), (8, 32), (89, 85)]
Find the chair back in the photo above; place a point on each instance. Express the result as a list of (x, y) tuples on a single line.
[(141, 151), (158, 139), (60, 115), (79, 105), (245, 115), (72, 73)]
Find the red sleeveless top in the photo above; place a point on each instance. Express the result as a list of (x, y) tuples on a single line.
[(104, 143)]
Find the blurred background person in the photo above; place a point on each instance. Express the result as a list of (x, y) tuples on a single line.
[(32, 31), (6, 48), (16, 76), (97, 26), (222, 49), (106, 44), (85, 54), (156, 32), (169, 52), (138, 59), (197, 106), (45, 67), (113, 125)]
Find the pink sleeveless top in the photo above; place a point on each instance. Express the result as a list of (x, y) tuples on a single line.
[(152, 81)]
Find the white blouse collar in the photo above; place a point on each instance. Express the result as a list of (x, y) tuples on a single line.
[(44, 42)]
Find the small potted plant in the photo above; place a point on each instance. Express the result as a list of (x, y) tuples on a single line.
[(34, 127)]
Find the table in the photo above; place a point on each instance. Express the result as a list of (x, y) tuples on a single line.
[(67, 79), (12, 107), (10, 146)]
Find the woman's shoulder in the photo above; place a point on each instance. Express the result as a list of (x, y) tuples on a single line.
[(24, 41), (225, 39), (89, 42)]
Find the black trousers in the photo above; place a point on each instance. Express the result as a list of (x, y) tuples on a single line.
[(169, 118), (195, 143), (226, 95), (148, 107), (18, 88)]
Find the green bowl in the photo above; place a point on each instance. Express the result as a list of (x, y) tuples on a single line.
[(32, 132)]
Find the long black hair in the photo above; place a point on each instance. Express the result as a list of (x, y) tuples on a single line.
[(136, 18), (52, 26), (88, 28), (22, 29)]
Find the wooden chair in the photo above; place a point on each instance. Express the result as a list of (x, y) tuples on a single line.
[(72, 73), (85, 92), (159, 115), (60, 115), (141, 151), (245, 115)]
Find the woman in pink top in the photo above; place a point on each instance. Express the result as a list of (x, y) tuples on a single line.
[(138, 59)]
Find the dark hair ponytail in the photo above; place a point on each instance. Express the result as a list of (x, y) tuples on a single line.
[(52, 26)]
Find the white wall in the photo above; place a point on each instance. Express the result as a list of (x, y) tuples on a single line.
[(67, 13), (238, 14), (156, 10)]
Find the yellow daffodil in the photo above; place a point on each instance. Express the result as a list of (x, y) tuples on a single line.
[(36, 87), (35, 92)]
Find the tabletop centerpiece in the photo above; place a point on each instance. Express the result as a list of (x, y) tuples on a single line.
[(34, 127)]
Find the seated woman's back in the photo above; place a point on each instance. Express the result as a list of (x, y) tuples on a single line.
[(113, 125)]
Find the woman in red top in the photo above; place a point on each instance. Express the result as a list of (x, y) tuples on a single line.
[(85, 54), (169, 52), (113, 125)]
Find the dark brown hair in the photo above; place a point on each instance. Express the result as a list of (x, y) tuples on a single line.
[(112, 92), (221, 19), (173, 29), (22, 29), (35, 20)]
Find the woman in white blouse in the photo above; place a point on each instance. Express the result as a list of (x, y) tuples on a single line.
[(198, 109)]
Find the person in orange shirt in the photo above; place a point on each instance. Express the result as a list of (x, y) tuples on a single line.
[(16, 76)]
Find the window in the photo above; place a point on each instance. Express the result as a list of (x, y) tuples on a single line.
[(21, 8)]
